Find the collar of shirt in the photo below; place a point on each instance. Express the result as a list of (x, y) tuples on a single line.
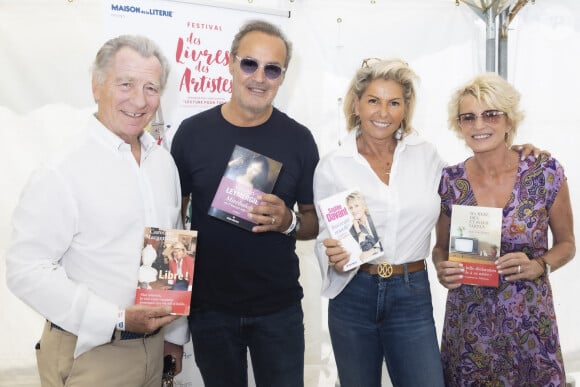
[(116, 143)]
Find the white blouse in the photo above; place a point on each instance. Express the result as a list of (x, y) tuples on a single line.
[(404, 211)]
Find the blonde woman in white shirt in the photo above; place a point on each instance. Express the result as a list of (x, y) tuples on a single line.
[(382, 311)]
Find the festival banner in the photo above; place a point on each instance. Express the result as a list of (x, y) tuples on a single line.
[(196, 39)]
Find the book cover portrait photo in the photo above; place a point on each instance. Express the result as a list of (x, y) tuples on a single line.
[(167, 268), (247, 175), (348, 220)]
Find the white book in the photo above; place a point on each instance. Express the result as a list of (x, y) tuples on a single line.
[(348, 220)]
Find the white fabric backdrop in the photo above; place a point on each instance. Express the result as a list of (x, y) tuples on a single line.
[(46, 48)]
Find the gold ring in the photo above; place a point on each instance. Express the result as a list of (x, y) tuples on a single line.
[(519, 269), (273, 219)]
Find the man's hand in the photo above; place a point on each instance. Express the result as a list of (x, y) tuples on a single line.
[(147, 319), (271, 214)]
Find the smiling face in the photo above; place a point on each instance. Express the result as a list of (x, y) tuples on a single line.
[(482, 136), (253, 93), (356, 209), (130, 94), (381, 108), (178, 254)]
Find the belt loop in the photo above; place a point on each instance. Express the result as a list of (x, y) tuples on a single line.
[(406, 273)]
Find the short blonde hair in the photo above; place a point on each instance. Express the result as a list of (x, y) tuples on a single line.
[(495, 92), (356, 196)]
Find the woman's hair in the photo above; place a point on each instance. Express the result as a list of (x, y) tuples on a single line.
[(495, 92), (266, 28), (144, 46), (387, 69), (358, 197)]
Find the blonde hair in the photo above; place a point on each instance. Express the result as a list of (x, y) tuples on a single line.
[(388, 69), (495, 92), (356, 196)]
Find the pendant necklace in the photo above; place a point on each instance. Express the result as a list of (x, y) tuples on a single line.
[(388, 168)]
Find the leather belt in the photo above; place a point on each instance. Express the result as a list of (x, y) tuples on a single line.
[(122, 335), (385, 270)]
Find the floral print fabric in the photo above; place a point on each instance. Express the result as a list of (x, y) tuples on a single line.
[(506, 336)]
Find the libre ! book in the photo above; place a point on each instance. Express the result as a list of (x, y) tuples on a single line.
[(348, 220), (475, 240), (167, 267), (247, 175)]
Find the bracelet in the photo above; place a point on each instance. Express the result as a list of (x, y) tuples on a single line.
[(121, 320), (292, 224), (541, 262), (547, 267)]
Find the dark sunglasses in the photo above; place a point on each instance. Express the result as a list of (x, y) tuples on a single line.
[(251, 65)]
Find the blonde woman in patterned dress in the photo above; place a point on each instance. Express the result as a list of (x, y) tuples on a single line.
[(505, 336)]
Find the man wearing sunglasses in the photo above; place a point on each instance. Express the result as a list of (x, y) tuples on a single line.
[(246, 294)]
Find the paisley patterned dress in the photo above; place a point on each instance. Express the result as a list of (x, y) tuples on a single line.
[(506, 336)]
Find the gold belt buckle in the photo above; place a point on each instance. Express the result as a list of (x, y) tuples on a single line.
[(385, 270)]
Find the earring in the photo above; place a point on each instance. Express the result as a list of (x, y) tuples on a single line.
[(399, 133)]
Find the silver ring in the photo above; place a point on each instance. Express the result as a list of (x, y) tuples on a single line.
[(273, 219), (519, 269)]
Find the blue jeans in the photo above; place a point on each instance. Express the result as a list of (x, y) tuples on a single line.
[(275, 342), (378, 319)]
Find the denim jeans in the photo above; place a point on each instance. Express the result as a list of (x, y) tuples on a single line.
[(275, 342), (378, 319)]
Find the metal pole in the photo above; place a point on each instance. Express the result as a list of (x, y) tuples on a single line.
[(503, 44), (491, 39)]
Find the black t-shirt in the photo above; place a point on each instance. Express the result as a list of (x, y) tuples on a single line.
[(236, 270)]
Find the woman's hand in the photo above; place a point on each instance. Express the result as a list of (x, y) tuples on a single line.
[(528, 149), (448, 273), (517, 266), (337, 256)]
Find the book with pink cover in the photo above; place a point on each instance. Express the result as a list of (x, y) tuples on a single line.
[(248, 175), (167, 269), (348, 220), (475, 240)]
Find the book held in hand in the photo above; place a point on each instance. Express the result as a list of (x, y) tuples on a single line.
[(167, 267), (348, 220), (475, 240), (247, 176)]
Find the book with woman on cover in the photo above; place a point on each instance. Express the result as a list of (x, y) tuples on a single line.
[(167, 267), (475, 240), (348, 220), (248, 175)]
